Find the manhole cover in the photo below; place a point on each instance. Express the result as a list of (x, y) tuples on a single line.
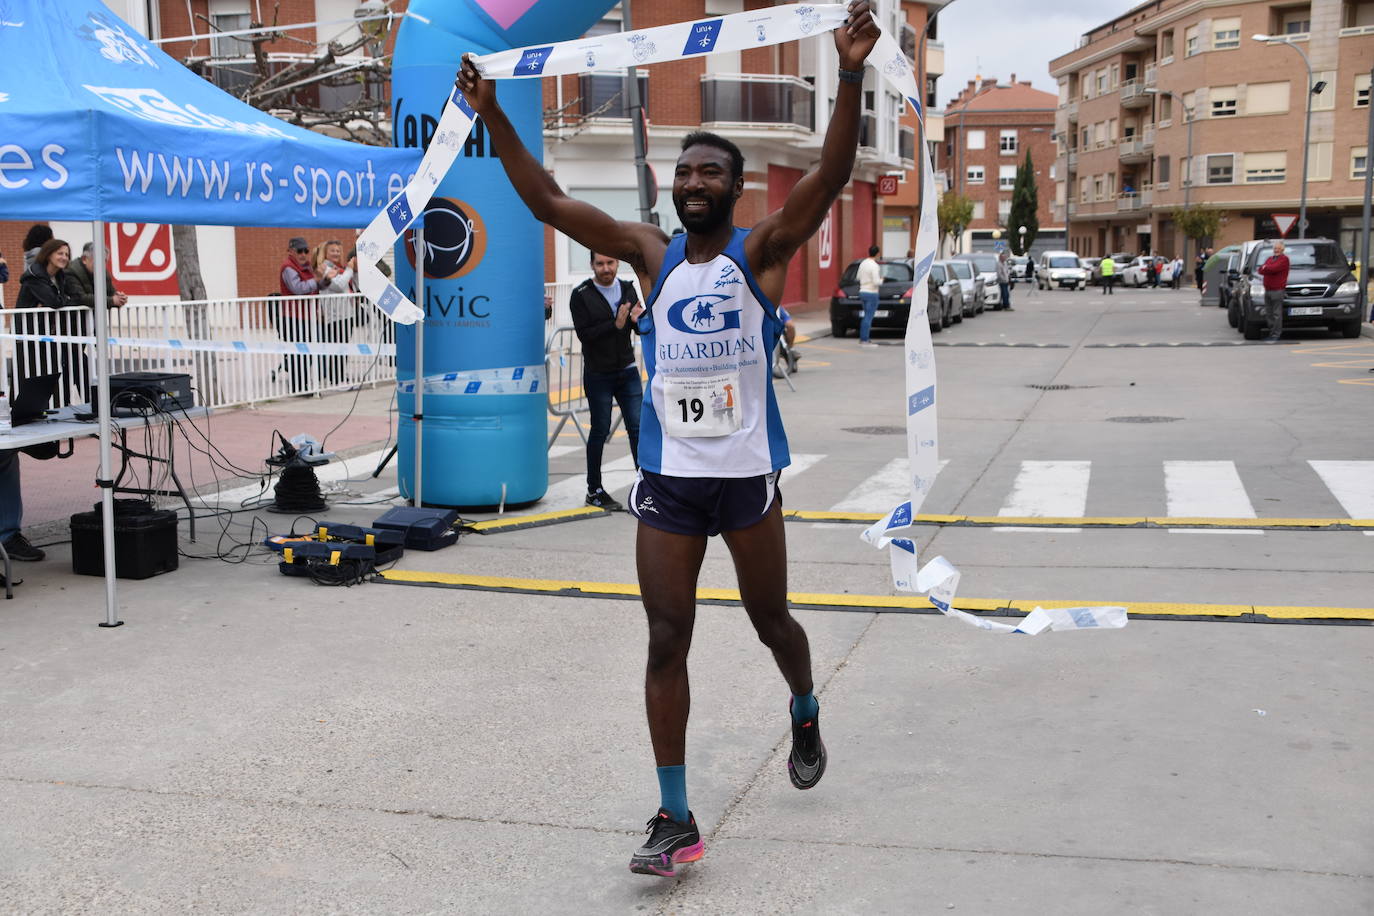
[(877, 430), (1143, 419)]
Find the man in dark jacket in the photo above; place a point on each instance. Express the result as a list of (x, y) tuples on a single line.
[(604, 312), (82, 276)]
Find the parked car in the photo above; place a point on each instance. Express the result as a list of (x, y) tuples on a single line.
[(1233, 278), (972, 287), (1094, 268), (1018, 269), (986, 266), (1321, 290), (1062, 269), (945, 297), (1137, 272), (846, 311)]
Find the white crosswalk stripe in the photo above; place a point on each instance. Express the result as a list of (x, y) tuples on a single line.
[(1206, 489), (881, 491), (1049, 489), (1352, 483)]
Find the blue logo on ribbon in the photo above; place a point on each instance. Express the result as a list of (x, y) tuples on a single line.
[(916, 107), (472, 387), (904, 544), (923, 268), (533, 60), (702, 37), (462, 103), (921, 400), (901, 516), (399, 213), (389, 299), (518, 374), (704, 318), (534, 386), (1083, 617)]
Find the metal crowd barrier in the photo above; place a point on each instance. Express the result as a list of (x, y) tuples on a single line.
[(237, 351)]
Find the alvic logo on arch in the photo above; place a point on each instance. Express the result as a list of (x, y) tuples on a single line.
[(705, 317)]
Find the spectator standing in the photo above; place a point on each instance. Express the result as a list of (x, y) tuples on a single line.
[(1152, 272), (1199, 265), (46, 284), (1274, 271), (1004, 279), (82, 273), (33, 240), (604, 312), (297, 319), (870, 285), (1108, 268), (337, 314)]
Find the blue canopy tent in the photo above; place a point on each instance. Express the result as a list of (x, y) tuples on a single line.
[(97, 124)]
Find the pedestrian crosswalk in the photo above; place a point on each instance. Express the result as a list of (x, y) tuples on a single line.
[(1059, 489)]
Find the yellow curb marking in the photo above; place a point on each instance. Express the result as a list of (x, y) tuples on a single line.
[(912, 602)]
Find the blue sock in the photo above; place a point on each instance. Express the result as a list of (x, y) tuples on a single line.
[(672, 789), (804, 708)]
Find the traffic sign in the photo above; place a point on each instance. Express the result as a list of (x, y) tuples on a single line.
[(141, 258), (1285, 223), (887, 185)]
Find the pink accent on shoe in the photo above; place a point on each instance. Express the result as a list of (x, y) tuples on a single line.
[(689, 853)]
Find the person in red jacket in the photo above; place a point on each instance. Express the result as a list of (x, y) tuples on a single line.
[(1275, 273)]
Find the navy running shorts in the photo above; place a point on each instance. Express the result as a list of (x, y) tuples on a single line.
[(702, 505)]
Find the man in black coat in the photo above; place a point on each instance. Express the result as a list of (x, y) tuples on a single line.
[(604, 312)]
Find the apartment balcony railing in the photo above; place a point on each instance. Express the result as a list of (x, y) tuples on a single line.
[(1071, 112), (1073, 160), (757, 99), (1151, 75), (1133, 200), (906, 143), (942, 181), (1133, 94), (601, 94), (1137, 148)]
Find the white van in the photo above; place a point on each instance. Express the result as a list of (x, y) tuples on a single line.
[(1061, 269)]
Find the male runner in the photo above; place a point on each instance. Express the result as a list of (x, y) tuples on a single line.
[(711, 438)]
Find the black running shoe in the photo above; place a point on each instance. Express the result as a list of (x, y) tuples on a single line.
[(603, 500), (670, 843), (806, 763), (19, 548)]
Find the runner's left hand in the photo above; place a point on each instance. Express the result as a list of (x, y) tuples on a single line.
[(855, 39)]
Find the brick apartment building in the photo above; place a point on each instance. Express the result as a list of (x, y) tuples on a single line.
[(773, 101), (989, 127), (1127, 91)]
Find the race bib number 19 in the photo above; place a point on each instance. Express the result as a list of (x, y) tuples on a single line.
[(697, 406)]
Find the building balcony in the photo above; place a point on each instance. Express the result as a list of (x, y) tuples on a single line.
[(757, 100), (1073, 160), (935, 58), (1133, 200), (1133, 94), (1151, 75), (906, 144), (868, 132), (1137, 149), (600, 95), (942, 181), (1071, 112)]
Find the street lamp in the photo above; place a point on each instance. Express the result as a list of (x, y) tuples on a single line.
[(1022, 232), (1312, 89), (1189, 116)]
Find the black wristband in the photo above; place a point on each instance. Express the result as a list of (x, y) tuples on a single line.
[(851, 76)]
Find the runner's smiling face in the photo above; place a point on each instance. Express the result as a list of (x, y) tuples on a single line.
[(704, 190)]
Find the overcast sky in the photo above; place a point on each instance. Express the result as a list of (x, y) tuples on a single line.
[(996, 38)]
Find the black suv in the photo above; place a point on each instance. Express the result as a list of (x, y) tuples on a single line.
[(1321, 290), (846, 310)]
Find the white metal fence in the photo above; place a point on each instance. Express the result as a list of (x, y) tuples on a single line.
[(237, 351)]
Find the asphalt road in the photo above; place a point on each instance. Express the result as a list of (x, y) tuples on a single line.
[(249, 743)]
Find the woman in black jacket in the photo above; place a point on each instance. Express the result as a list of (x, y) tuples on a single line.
[(45, 284)]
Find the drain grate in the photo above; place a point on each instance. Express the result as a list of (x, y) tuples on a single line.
[(877, 430), (1143, 419)]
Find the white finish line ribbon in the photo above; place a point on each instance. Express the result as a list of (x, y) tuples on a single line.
[(735, 32)]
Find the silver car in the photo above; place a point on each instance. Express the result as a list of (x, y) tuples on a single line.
[(972, 284)]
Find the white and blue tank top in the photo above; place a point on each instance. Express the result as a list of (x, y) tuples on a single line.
[(709, 333)]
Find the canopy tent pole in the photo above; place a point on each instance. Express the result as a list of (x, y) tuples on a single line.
[(419, 416), (103, 421)]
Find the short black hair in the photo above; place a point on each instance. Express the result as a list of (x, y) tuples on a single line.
[(706, 138), (36, 236), (873, 251)]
